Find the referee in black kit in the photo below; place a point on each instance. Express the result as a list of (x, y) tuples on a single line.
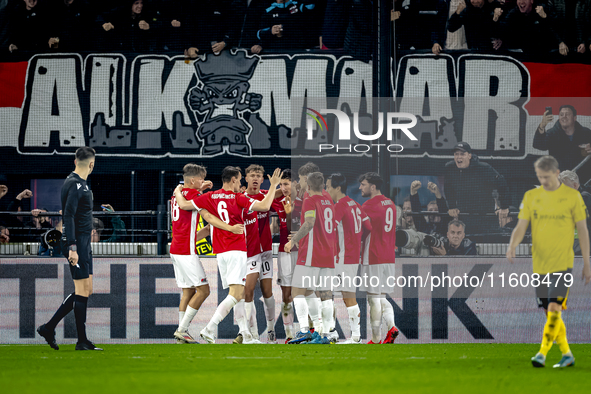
[(77, 229)]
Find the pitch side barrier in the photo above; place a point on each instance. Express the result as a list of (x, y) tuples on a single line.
[(448, 300)]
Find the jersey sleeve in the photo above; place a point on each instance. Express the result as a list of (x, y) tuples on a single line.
[(245, 202), (339, 212), (580, 211), (191, 196), (203, 202), (309, 208), (524, 209), (69, 212)]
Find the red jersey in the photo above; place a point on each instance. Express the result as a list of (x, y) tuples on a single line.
[(349, 218), (251, 227), (184, 225), (317, 248), (381, 242), (230, 208), (266, 238), (283, 230)]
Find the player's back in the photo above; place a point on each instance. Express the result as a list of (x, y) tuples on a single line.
[(230, 208), (317, 249), (184, 225), (349, 218), (382, 240)]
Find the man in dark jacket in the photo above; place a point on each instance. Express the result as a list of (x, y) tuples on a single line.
[(566, 140), (456, 243), (529, 27), (478, 22), (469, 186)]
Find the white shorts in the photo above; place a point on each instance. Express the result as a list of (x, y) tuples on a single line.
[(285, 265), (312, 278), (261, 264), (188, 271), (232, 267), (374, 278), (346, 274)]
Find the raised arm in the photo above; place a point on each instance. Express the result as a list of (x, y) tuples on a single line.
[(182, 201), (265, 204)]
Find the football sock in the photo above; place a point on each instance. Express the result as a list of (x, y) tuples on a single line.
[(314, 307), (354, 318), (80, 306), (240, 315), (181, 315), (550, 331), (561, 339), (65, 308), (375, 317), (301, 309), (387, 313), (327, 316), (187, 319), (287, 313), (221, 312), (252, 323), (270, 312)]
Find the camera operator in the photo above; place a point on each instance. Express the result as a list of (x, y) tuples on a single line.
[(431, 224), (456, 243)]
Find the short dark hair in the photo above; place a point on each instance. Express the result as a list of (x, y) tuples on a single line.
[(569, 107), (308, 168), (457, 223), (546, 163), (338, 180), (286, 174), (85, 153), (254, 168), (373, 178), (192, 169), (315, 181), (98, 225), (230, 172)]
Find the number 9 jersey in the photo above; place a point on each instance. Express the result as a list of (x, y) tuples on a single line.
[(317, 249), (379, 245)]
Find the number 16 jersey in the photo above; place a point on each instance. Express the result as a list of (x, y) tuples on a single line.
[(317, 249)]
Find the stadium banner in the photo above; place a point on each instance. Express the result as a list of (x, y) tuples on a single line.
[(158, 111), (136, 300)]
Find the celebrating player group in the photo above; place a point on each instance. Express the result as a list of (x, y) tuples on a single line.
[(324, 235)]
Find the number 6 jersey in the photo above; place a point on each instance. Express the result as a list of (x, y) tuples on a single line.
[(317, 249), (184, 225), (380, 244)]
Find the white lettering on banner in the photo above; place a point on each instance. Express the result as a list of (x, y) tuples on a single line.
[(140, 108), (139, 301)]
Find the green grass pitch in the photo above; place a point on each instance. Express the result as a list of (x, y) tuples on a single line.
[(301, 369)]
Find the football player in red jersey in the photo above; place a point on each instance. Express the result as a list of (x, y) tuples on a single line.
[(315, 264), (351, 222), (188, 270), (230, 206), (378, 255)]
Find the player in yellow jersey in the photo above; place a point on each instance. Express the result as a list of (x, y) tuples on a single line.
[(554, 210)]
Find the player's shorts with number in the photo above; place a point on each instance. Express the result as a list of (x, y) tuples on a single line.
[(346, 274), (261, 264), (379, 277), (553, 289), (285, 265), (232, 267), (188, 271), (312, 278)]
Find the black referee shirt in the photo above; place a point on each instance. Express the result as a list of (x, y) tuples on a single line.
[(76, 208)]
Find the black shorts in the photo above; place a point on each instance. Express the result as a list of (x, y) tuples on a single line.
[(556, 291), (84, 269)]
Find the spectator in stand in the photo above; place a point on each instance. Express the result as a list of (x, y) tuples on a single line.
[(283, 25), (566, 140), (571, 179), (244, 21), (69, 26), (469, 188), (336, 19), (407, 220), (359, 38), (456, 243), (28, 31), (441, 38), (528, 27), (568, 15), (4, 235), (406, 22), (432, 224), (40, 222), (128, 28), (478, 22), (98, 227), (202, 26)]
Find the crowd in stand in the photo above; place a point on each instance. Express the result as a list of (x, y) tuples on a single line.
[(534, 27)]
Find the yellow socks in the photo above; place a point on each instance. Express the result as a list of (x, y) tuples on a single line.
[(551, 330), (561, 338)]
